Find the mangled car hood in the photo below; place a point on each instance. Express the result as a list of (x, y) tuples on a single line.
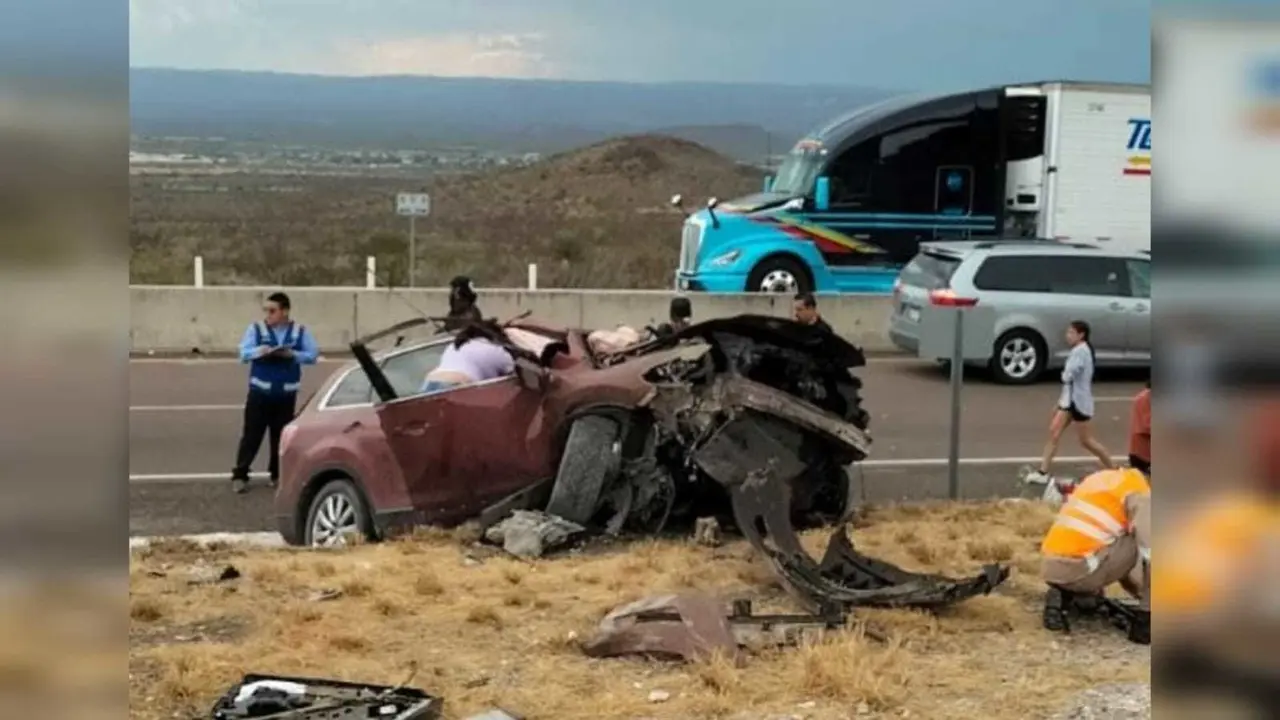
[(783, 333)]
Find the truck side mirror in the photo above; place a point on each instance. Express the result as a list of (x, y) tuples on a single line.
[(822, 194), (768, 183)]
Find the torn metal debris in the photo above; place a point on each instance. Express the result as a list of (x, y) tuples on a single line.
[(696, 626), (762, 511), (295, 698)]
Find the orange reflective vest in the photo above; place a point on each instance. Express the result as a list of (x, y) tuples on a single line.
[(1209, 554), (1095, 514)]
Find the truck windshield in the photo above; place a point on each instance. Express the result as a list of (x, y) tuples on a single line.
[(798, 172)]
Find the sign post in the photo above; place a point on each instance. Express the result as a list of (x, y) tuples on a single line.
[(413, 205), (957, 380), (955, 330)]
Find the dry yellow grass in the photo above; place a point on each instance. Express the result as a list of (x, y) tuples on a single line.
[(504, 632)]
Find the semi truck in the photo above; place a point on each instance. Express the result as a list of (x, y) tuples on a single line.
[(853, 200)]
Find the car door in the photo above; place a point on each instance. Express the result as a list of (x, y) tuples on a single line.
[(1138, 310), (1094, 288), (494, 440), (415, 430)]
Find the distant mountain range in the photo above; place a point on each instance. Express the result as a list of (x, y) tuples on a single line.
[(742, 121)]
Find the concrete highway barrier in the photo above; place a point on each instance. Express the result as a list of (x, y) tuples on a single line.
[(169, 319)]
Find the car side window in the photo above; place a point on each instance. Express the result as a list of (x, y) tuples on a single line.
[(1139, 278), (1012, 273), (407, 370), (1074, 275), (353, 389)]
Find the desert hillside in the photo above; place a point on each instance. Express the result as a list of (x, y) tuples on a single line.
[(593, 217)]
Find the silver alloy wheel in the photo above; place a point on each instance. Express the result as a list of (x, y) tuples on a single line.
[(1018, 358), (334, 520), (779, 281)]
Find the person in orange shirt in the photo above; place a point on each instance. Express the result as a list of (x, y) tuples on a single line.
[(1140, 431), (1100, 537)]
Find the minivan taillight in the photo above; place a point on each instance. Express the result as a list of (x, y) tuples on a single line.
[(946, 297)]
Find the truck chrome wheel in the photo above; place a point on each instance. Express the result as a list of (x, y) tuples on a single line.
[(779, 281)]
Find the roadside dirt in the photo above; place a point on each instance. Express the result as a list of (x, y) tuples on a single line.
[(485, 630)]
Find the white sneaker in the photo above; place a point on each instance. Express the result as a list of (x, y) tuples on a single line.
[(1032, 476)]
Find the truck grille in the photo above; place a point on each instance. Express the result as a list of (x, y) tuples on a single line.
[(689, 241)]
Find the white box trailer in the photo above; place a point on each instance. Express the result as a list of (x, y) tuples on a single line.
[(1092, 182)]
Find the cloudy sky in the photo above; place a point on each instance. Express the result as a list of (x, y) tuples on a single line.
[(917, 44)]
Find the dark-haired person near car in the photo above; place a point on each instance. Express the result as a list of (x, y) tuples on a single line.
[(275, 350), (805, 311), (462, 304), (679, 316)]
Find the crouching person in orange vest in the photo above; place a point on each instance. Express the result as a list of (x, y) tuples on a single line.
[(1101, 536)]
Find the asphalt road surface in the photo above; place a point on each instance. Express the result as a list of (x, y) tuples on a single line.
[(184, 423)]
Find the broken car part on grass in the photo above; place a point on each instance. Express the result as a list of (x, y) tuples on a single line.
[(750, 419), (695, 626), (277, 697), (295, 698)]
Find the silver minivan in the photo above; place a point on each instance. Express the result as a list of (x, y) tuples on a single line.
[(1037, 287)]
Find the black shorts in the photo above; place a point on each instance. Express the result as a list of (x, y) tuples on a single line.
[(1075, 413), (1138, 463)]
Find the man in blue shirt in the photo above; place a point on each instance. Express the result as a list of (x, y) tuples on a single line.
[(275, 350)]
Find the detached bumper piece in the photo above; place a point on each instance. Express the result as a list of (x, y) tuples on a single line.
[(291, 698), (844, 578)]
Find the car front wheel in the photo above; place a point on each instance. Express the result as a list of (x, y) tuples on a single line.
[(591, 457), (336, 513)]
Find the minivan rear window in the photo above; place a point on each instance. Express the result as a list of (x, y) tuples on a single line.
[(929, 271)]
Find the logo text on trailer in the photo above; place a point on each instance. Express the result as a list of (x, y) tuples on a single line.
[(1139, 147)]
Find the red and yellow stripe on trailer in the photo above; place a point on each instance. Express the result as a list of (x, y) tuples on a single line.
[(1138, 165)]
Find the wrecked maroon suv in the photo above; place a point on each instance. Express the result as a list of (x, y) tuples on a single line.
[(753, 418)]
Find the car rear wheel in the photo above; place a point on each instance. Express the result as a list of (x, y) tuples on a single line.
[(779, 274), (336, 513), (1019, 358), (592, 455)]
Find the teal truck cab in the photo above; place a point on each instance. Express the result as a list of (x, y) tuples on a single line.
[(853, 200)]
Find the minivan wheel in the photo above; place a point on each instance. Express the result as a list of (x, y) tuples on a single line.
[(1019, 358), (779, 274), (335, 513)]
